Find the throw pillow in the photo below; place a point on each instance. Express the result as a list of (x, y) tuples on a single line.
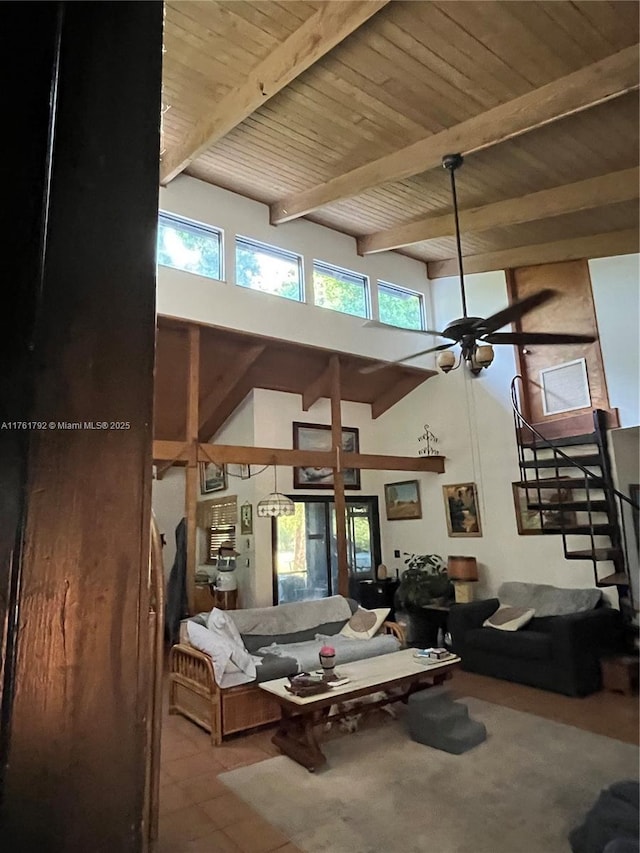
[(364, 624), (508, 618)]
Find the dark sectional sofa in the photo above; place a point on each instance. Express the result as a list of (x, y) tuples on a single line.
[(555, 652)]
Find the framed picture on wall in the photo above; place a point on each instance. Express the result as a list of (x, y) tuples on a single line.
[(246, 519), (530, 521), (318, 437), (402, 500), (461, 507), (213, 478)]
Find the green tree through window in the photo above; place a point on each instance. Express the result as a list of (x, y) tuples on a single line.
[(400, 307), (340, 290), (268, 268), (187, 246)]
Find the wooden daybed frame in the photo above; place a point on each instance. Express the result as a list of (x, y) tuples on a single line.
[(223, 711)]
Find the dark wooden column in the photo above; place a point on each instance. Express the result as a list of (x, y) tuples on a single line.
[(74, 545), (339, 499)]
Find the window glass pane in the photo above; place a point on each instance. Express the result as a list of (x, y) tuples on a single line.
[(268, 269), (340, 290), (400, 307), (188, 246)]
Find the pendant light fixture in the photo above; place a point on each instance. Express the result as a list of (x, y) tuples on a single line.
[(275, 504)]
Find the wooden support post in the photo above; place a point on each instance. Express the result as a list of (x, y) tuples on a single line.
[(338, 478), (77, 353), (191, 480)]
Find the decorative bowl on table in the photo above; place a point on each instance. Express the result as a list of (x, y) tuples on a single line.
[(306, 684)]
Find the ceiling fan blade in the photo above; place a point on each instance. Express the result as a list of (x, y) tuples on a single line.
[(377, 324), (380, 364), (513, 312), (537, 338)]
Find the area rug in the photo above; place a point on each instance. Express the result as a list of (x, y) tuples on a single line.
[(521, 791)]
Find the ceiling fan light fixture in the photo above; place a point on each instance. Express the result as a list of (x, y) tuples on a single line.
[(484, 355), (446, 361)]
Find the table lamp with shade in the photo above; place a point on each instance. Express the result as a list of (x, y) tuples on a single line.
[(463, 571)]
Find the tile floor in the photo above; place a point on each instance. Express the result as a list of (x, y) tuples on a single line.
[(199, 814)]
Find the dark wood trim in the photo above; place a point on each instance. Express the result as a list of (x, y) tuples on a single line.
[(75, 748)]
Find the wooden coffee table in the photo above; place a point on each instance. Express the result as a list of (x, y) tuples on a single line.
[(396, 675)]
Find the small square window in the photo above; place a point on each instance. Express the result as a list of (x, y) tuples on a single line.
[(400, 307), (269, 269), (189, 246), (340, 290)]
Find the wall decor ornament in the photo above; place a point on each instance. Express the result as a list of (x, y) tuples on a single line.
[(318, 437), (461, 509), (402, 500)]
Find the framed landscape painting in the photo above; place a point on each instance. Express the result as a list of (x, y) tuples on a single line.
[(529, 521), (461, 507), (318, 437), (402, 500)]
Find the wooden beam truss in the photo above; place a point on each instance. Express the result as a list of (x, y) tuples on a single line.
[(581, 90), (330, 25), (557, 201)]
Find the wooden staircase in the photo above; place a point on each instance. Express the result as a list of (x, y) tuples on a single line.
[(568, 481)]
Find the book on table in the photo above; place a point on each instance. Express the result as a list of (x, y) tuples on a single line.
[(433, 655)]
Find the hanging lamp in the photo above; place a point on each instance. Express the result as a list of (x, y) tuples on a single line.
[(275, 504)]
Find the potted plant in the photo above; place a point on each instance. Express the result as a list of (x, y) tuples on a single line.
[(424, 582)]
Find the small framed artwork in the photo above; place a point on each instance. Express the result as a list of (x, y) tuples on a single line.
[(318, 437), (246, 519), (530, 522), (402, 500), (213, 478), (461, 508)]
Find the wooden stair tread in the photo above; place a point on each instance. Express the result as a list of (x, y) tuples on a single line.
[(616, 579), (581, 530), (586, 461), (594, 554), (565, 441), (594, 506), (562, 483)]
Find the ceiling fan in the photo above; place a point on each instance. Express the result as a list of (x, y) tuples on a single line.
[(476, 335)]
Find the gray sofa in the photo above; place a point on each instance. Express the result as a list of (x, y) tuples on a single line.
[(559, 649), (295, 631)]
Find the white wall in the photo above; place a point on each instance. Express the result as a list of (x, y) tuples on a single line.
[(167, 500), (616, 293), (471, 416)]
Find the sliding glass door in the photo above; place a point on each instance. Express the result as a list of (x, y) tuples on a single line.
[(305, 554)]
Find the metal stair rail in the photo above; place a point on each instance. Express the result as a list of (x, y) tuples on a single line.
[(601, 498)]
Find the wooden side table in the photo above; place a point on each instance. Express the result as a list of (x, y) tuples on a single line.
[(620, 673), (225, 599)]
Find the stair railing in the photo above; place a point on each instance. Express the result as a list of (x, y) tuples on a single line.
[(616, 517)]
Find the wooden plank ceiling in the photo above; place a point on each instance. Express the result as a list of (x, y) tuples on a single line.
[(341, 111), (233, 363)]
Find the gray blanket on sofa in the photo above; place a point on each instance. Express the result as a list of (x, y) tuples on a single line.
[(291, 618), (347, 650)]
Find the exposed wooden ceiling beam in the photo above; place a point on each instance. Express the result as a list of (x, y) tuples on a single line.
[(391, 395), (569, 198), (223, 389), (316, 389), (609, 78), (594, 246), (319, 34), (226, 453)]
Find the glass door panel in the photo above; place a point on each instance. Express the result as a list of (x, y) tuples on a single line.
[(305, 552)]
